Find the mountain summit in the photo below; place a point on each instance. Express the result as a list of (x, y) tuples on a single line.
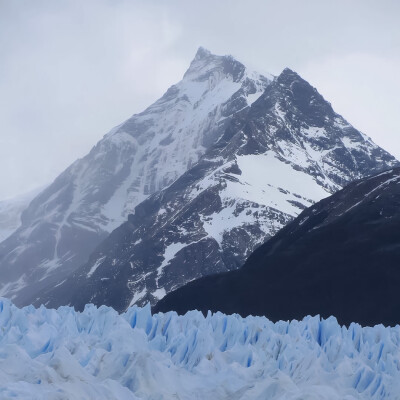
[(276, 156), (143, 155)]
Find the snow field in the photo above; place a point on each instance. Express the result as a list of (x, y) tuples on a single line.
[(99, 354)]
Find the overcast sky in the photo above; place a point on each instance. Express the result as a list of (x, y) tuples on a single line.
[(70, 70)]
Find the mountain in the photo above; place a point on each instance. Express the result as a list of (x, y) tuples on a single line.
[(146, 153), (275, 158), (11, 210), (340, 257)]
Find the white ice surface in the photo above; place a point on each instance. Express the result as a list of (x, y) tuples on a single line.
[(98, 354)]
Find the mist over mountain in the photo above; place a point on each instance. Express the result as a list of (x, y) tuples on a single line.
[(11, 210)]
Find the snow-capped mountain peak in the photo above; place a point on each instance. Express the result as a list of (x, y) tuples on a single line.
[(206, 64), (274, 159), (141, 156), (202, 52)]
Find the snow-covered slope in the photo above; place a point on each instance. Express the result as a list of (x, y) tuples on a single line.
[(60, 354), (275, 158), (146, 153), (11, 210)]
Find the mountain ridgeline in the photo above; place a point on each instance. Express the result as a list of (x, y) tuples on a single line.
[(281, 149)]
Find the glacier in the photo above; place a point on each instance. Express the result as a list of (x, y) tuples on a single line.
[(100, 354)]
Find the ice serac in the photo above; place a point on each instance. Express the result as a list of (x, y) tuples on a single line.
[(143, 155), (339, 257), (274, 159), (99, 354)]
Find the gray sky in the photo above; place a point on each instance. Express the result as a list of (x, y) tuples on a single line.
[(71, 69)]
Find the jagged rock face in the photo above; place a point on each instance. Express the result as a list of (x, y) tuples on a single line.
[(340, 257), (149, 151), (276, 158)]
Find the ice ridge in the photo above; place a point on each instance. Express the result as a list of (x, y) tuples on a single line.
[(53, 354)]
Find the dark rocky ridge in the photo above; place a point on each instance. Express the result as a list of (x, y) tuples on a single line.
[(340, 257)]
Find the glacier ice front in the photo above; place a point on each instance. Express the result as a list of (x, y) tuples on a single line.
[(99, 354)]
